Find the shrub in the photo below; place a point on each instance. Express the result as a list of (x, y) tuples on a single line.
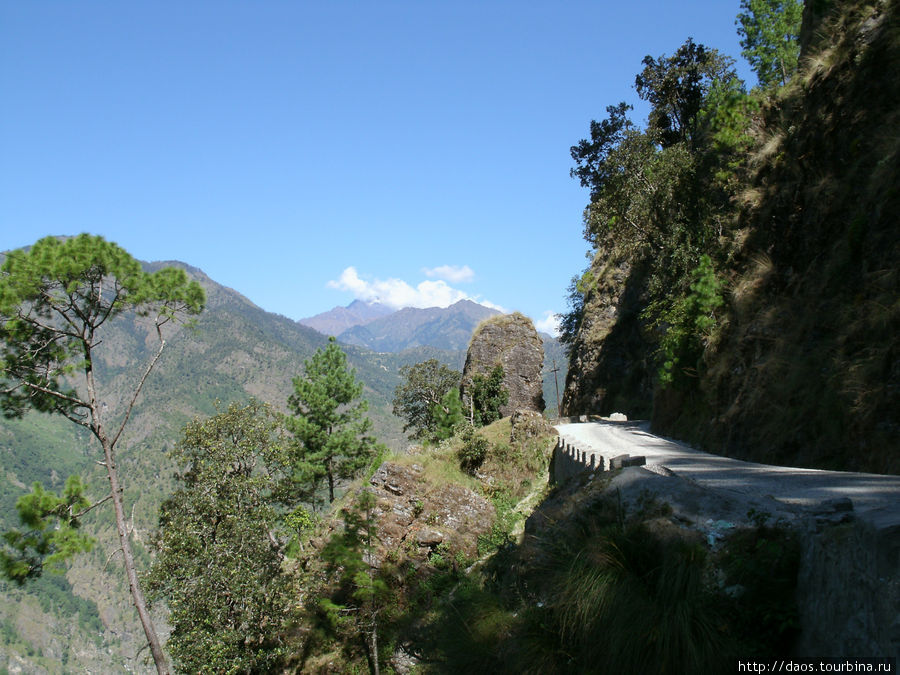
[(473, 451)]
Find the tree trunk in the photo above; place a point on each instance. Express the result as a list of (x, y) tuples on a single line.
[(375, 667), (134, 585), (137, 596), (330, 474)]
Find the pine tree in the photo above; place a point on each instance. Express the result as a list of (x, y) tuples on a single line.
[(54, 299), (448, 415), (359, 591), (329, 422), (770, 36)]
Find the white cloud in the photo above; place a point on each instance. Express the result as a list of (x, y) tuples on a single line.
[(396, 292), (549, 324), (488, 303), (452, 273)]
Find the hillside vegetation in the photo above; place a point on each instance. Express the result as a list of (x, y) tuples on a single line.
[(744, 286), (233, 351)]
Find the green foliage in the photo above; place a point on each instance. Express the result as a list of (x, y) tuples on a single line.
[(448, 415), (592, 157), (300, 520), (329, 422), (644, 594), (504, 521), (690, 324), (360, 592), (473, 450), (655, 596), (726, 121), (54, 296), (51, 532), (225, 518), (570, 322), (662, 203), (421, 393), (705, 297), (676, 88), (54, 300), (770, 36), (488, 396), (761, 566)]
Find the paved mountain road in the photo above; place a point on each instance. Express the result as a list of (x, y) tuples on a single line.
[(795, 491)]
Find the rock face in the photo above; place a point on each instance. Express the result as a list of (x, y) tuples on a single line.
[(608, 367), (414, 515), (511, 341)]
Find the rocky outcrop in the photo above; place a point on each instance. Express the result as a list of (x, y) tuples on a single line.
[(511, 341), (415, 515)]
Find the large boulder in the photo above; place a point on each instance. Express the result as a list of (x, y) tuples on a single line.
[(511, 341)]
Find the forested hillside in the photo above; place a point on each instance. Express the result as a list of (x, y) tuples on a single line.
[(233, 351), (744, 285)]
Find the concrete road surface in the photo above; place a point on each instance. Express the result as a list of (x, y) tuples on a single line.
[(875, 497)]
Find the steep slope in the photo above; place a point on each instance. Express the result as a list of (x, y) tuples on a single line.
[(810, 369), (233, 351)]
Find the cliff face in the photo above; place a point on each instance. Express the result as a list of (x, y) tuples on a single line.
[(803, 368), (608, 366), (511, 341), (809, 370)]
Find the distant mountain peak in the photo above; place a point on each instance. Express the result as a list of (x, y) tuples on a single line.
[(441, 327), (339, 319)]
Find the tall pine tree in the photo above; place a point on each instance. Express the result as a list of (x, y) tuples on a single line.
[(770, 36), (329, 422), (55, 299)]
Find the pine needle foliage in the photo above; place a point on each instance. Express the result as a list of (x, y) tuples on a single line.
[(50, 532), (329, 422)]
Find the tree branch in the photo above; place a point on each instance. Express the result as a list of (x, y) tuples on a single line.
[(81, 421), (57, 394), (27, 318), (93, 506), (140, 385)]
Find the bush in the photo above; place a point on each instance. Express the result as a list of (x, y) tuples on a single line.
[(473, 451), (488, 396)]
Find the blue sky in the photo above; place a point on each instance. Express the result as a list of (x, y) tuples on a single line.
[(306, 154)]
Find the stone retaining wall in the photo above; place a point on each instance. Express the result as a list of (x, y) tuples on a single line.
[(569, 460)]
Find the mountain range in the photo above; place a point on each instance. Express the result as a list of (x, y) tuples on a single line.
[(444, 332), (233, 351), (339, 319), (381, 329)]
